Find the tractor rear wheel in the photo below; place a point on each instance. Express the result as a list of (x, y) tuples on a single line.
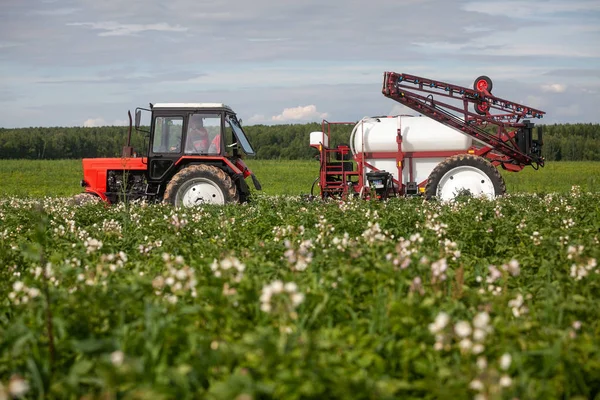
[(200, 184), (464, 174)]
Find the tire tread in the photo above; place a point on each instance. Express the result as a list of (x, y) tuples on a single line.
[(209, 171)]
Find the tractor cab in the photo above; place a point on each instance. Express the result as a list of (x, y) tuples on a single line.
[(194, 156), (191, 130)]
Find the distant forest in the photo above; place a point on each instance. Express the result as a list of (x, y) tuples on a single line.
[(568, 142)]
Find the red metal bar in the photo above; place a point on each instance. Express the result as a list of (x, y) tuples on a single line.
[(398, 87), (327, 169), (433, 154), (510, 106), (413, 154)]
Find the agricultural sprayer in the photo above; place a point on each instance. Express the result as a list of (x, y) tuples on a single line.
[(194, 156), (454, 148)]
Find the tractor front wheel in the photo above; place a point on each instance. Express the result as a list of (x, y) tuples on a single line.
[(200, 184), (464, 174)]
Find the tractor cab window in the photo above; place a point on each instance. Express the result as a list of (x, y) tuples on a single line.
[(168, 132), (203, 134)]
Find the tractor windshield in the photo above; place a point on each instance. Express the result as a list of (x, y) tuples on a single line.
[(240, 135)]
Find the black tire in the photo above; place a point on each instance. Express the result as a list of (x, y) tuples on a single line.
[(463, 160), (220, 184), (84, 198), (482, 108), (483, 82)]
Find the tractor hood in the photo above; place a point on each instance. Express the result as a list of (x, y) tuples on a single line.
[(95, 171)]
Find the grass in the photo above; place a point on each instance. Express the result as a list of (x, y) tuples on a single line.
[(555, 177), (39, 178), (285, 177)]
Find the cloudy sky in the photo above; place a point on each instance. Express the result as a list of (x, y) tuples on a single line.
[(86, 62)]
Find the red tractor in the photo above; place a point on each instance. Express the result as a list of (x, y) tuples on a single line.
[(193, 157)]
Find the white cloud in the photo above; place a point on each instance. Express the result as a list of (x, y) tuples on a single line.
[(300, 113), (94, 122), (112, 28), (295, 114), (554, 88)]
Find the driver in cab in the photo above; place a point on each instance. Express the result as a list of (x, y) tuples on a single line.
[(197, 138)]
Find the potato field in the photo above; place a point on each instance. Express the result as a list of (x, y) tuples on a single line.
[(293, 299)]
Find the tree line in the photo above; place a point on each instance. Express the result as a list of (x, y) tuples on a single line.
[(567, 142)]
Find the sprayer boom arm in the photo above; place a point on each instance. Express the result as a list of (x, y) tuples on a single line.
[(511, 144)]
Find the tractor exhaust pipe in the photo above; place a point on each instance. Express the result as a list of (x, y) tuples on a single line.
[(128, 150)]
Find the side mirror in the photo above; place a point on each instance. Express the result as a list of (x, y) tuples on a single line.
[(138, 118), (240, 121)]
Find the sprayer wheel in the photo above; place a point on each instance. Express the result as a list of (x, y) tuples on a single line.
[(200, 184), (464, 174), (483, 83), (482, 108)]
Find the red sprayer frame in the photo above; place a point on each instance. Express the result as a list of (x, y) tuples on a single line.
[(498, 123)]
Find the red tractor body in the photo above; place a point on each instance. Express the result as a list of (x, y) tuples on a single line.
[(95, 172)]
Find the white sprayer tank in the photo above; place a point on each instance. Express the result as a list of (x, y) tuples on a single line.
[(418, 134)]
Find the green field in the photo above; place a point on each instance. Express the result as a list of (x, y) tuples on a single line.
[(39, 178), (288, 299)]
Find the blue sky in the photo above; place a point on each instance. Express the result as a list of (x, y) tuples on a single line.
[(86, 62)]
